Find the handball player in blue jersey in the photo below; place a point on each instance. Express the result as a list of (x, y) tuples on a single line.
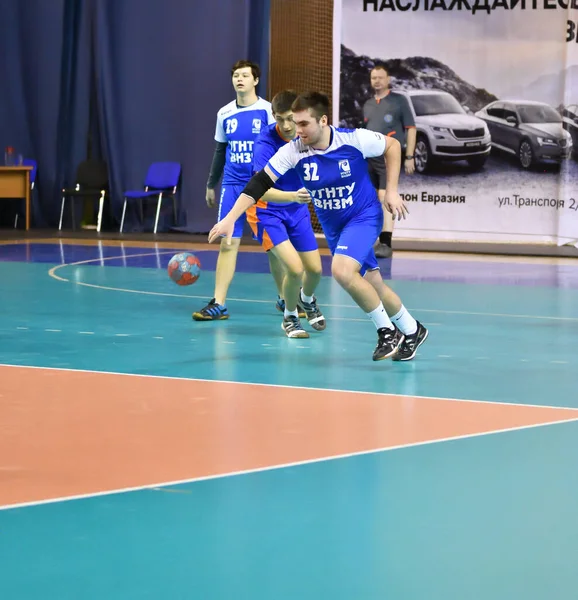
[(332, 165), (282, 224), (238, 125)]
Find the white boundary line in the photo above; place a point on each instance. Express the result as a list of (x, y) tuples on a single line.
[(289, 387), (276, 467), (52, 273), (53, 270)]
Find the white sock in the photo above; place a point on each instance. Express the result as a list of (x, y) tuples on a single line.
[(291, 313), (404, 321), (305, 298), (380, 318)]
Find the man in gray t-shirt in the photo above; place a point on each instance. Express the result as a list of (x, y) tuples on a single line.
[(388, 113)]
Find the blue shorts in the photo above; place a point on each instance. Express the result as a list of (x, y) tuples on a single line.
[(356, 239), (273, 225), (229, 195)]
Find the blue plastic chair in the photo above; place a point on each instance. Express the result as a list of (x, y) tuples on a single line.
[(27, 162), (161, 181)]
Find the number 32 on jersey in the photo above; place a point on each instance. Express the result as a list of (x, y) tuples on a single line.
[(310, 172)]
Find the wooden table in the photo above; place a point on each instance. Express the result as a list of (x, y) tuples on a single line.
[(15, 183)]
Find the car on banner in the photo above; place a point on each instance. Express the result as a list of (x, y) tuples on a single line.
[(445, 131), (570, 123), (531, 131)]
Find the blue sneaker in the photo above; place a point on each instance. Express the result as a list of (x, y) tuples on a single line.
[(280, 306), (212, 312)]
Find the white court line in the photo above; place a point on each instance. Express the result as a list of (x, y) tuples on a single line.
[(52, 273), (152, 486), (385, 395)]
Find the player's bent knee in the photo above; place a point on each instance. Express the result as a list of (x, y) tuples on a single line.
[(290, 260), (294, 271), (344, 270), (316, 270), (312, 263)]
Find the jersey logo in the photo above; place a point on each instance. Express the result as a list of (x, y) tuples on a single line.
[(388, 118), (344, 168), (256, 126)]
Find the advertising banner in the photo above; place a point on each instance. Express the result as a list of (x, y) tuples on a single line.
[(492, 89)]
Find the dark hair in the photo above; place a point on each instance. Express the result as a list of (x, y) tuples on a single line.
[(282, 101), (379, 68), (317, 102), (255, 69)]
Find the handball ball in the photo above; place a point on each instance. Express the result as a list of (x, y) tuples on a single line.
[(184, 268)]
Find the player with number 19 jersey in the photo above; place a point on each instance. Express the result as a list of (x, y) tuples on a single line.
[(338, 181), (238, 127)]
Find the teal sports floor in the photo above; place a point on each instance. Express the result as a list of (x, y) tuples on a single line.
[(144, 455)]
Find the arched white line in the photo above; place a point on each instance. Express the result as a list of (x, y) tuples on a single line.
[(53, 270)]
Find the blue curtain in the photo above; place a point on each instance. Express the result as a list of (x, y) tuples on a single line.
[(44, 76), (130, 81), (162, 72), (259, 39)]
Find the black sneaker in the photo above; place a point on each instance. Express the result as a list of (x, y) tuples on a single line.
[(313, 314), (212, 312), (382, 250), (388, 342), (280, 306), (411, 343), (292, 327)]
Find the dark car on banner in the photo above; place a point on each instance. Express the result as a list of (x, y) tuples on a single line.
[(531, 131), (445, 131), (570, 123)]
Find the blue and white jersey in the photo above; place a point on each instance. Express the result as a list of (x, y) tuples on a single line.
[(266, 145), (336, 178), (238, 126)]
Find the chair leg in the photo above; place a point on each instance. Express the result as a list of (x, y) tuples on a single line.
[(158, 212), (175, 216), (15, 220), (61, 213), (123, 214), (100, 211)]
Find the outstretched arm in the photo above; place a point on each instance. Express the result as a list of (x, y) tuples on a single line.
[(263, 151), (255, 189), (278, 196)]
